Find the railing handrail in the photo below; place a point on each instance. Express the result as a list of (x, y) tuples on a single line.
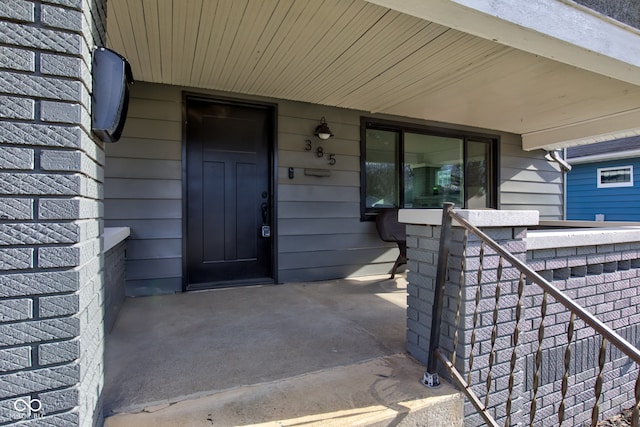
[(608, 333)]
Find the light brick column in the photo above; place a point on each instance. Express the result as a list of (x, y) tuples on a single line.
[(51, 305), (508, 228)]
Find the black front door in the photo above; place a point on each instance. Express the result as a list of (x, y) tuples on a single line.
[(228, 194)]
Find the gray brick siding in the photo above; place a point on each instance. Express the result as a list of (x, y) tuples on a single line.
[(114, 284), (603, 278), (51, 304)]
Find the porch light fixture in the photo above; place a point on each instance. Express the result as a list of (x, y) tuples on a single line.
[(554, 156), (322, 130)]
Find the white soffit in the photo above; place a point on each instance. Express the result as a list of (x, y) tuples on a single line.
[(359, 55), (616, 126), (556, 29)]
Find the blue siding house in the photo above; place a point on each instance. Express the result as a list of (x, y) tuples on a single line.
[(604, 183)]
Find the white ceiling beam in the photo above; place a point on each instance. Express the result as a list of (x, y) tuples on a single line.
[(557, 29), (621, 125)]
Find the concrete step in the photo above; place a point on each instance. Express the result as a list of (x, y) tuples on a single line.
[(379, 392)]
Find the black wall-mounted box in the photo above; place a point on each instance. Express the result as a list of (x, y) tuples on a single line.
[(111, 78)]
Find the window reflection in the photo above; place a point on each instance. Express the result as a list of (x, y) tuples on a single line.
[(413, 169)]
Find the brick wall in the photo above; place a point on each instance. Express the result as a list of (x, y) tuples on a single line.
[(602, 278), (51, 333), (114, 284)]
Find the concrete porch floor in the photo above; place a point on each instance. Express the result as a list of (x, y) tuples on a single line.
[(336, 347)]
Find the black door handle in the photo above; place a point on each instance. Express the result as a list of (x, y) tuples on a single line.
[(264, 207)]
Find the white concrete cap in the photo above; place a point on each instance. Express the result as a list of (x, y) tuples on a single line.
[(114, 235), (545, 239), (477, 217)]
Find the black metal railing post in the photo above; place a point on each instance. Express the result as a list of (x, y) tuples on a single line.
[(430, 378)]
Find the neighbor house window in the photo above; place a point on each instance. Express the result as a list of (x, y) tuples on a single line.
[(404, 166), (621, 176)]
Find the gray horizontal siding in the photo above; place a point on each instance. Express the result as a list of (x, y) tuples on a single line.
[(333, 258), (321, 273), (167, 285), (143, 190), (292, 244), (152, 269), (160, 189), (144, 148), (144, 168), (320, 235), (140, 209), (308, 159), (153, 248), (324, 226), (296, 209), (320, 232), (528, 181), (153, 129), (317, 193)]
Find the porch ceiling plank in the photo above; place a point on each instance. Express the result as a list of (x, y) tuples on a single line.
[(559, 30), (288, 43), (434, 66), (193, 16), (528, 92), (254, 34), (165, 35), (620, 125), (203, 45), (197, 18), (385, 64), (222, 69), (243, 51), (508, 96), (208, 49), (179, 31), (580, 105), (346, 30), (140, 33), (178, 22), (267, 46), (150, 13), (117, 34), (358, 56), (316, 47), (363, 56)]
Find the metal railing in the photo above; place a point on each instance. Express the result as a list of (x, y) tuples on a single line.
[(527, 277)]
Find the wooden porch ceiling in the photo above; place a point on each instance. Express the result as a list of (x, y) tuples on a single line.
[(354, 54)]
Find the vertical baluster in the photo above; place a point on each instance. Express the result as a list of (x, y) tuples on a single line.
[(595, 413), (494, 332), (567, 364), (476, 311), (635, 414), (463, 260), (514, 353), (536, 375)]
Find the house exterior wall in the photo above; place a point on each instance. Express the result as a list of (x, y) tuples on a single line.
[(585, 200), (51, 332), (319, 231)]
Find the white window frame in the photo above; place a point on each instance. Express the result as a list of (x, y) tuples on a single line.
[(615, 184)]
